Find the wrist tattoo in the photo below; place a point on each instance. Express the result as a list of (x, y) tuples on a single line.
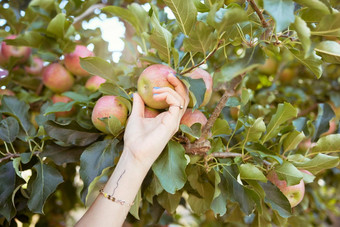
[(114, 190)]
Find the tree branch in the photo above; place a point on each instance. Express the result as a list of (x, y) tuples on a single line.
[(87, 12), (259, 13), (9, 156), (225, 155)]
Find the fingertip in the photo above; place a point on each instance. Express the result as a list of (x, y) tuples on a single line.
[(138, 105)]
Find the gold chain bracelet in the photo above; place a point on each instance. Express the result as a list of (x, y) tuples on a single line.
[(113, 199)]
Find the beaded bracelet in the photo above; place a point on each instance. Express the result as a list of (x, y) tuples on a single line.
[(113, 199)]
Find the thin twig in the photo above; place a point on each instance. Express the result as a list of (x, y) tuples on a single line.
[(225, 155), (87, 12), (259, 13), (9, 156)]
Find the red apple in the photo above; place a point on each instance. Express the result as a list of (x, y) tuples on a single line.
[(72, 61), (150, 113), (105, 107), (199, 73), (332, 127), (57, 78), (64, 99), (3, 60), (189, 118), (294, 193), (21, 52), (35, 67), (94, 82), (154, 76)]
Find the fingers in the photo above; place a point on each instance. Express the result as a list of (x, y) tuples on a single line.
[(173, 98), (138, 106), (180, 88)]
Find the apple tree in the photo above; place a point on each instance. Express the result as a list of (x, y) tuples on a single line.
[(261, 150)]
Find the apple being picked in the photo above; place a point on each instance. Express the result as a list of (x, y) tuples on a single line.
[(150, 113), (199, 73), (191, 117), (105, 107), (72, 61), (94, 82), (35, 67), (294, 193), (57, 78), (20, 52), (154, 76), (64, 99)]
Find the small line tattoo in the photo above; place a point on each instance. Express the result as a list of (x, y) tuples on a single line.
[(114, 190)]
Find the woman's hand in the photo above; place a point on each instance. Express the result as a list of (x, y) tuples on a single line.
[(145, 138)]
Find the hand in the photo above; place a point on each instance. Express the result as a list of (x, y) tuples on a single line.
[(145, 138)]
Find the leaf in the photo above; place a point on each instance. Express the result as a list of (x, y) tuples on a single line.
[(113, 89), (285, 112), (45, 183), (19, 110), (313, 62), (327, 144), (329, 25), (329, 51), (289, 173), (318, 163), (282, 11), (160, 39), (170, 167), (253, 58), (58, 25), (113, 124), (201, 39), (292, 140), (314, 4), (221, 127), (98, 66), (321, 124), (134, 210), (219, 203), (124, 14), (9, 129), (71, 134), (196, 87), (81, 98), (276, 199), (253, 130), (29, 38), (194, 130), (185, 13), (303, 33), (94, 160), (169, 201), (250, 172), (61, 155), (59, 107), (7, 179)]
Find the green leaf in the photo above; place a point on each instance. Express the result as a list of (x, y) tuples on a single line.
[(288, 172), (282, 11), (318, 163), (321, 124), (29, 38), (201, 7), (219, 203), (155, 188), (58, 25), (285, 112), (94, 160), (194, 130), (134, 210), (327, 144), (62, 155), (201, 39), (71, 134), (169, 201), (113, 89), (196, 87), (160, 39), (313, 62), (252, 58), (292, 140), (276, 199), (253, 130), (185, 13), (98, 66), (124, 14), (314, 4), (170, 167), (7, 179), (113, 125), (59, 107), (329, 51), (221, 127), (45, 183), (9, 129), (303, 33), (329, 25), (250, 172), (77, 97)]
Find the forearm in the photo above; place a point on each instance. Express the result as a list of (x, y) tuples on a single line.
[(123, 185)]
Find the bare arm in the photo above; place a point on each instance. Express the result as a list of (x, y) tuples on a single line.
[(144, 140)]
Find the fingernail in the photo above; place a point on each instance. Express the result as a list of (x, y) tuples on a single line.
[(132, 95), (156, 87), (155, 94)]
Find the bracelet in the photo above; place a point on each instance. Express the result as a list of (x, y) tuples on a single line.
[(113, 199)]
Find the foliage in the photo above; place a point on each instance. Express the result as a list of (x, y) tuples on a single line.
[(282, 122)]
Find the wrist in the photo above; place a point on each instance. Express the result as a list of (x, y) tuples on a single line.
[(135, 161)]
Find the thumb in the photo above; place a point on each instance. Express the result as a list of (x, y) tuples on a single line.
[(138, 106)]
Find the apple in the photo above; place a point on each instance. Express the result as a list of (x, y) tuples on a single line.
[(150, 113), (154, 76), (287, 75), (294, 193), (269, 67), (72, 61), (3, 60), (64, 99), (36, 66), (199, 73), (105, 107), (21, 52), (94, 82), (332, 127), (234, 111), (57, 78), (191, 117)]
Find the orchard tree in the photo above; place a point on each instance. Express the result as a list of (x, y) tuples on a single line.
[(259, 145)]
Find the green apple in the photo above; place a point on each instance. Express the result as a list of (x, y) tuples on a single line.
[(57, 78), (72, 61), (154, 76)]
